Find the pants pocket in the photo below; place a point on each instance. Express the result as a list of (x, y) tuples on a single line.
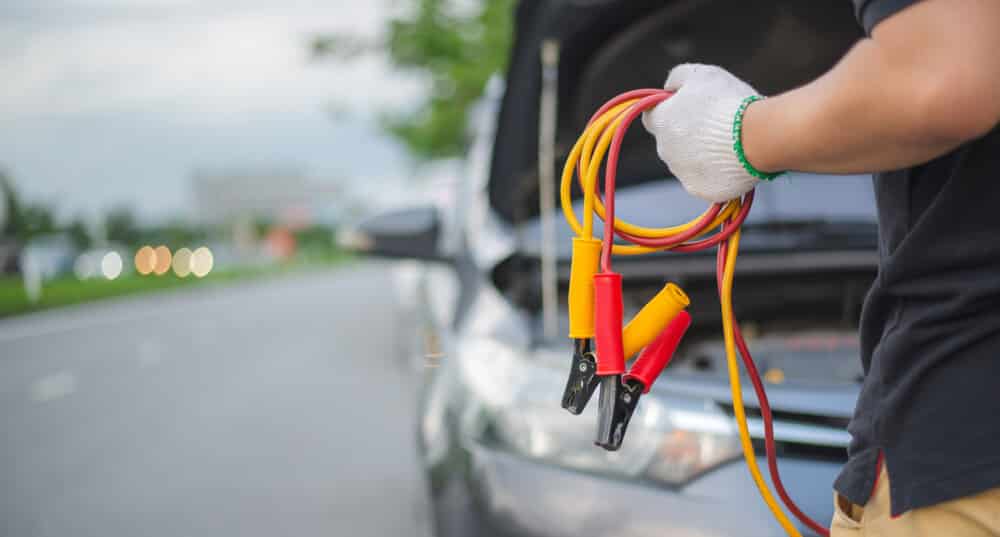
[(846, 519)]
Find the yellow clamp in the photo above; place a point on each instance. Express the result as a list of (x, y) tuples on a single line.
[(653, 318)]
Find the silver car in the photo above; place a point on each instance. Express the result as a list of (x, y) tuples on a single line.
[(501, 455)]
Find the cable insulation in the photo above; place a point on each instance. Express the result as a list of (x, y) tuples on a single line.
[(719, 225)]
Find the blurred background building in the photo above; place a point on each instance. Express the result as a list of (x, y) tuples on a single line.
[(279, 195)]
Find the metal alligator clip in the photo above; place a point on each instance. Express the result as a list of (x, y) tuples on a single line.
[(582, 379), (620, 393), (615, 406)]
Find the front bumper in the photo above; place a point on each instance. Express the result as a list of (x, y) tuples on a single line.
[(507, 495)]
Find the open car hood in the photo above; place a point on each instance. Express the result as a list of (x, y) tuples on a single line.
[(610, 46)]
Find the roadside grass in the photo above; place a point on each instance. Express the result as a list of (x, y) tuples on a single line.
[(65, 291)]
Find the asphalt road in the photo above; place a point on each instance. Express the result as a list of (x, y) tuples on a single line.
[(269, 408)]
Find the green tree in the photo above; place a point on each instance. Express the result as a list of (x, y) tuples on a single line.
[(175, 234), (23, 221), (12, 206), (79, 234), (120, 226), (36, 220), (456, 48)]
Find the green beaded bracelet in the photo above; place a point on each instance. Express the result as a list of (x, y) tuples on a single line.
[(738, 141)]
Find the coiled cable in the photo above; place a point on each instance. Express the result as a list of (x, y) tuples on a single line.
[(718, 226)]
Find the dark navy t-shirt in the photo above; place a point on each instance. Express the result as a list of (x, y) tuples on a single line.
[(930, 328)]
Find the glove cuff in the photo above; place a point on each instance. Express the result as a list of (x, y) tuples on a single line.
[(709, 154), (738, 141)]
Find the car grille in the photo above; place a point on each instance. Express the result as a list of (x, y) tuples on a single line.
[(799, 435)]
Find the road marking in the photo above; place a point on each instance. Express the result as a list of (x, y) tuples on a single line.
[(139, 307), (32, 326), (52, 387), (205, 331), (45, 327), (150, 353)]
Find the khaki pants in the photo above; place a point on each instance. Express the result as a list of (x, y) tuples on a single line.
[(973, 516)]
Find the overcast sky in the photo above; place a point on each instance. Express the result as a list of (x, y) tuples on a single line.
[(117, 102)]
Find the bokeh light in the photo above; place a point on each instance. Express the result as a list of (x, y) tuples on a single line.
[(182, 262), (111, 265), (774, 376), (202, 262), (86, 266), (145, 260), (163, 260)]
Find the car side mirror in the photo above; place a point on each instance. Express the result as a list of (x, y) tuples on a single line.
[(411, 233)]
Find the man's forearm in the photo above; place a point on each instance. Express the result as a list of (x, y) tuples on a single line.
[(928, 81)]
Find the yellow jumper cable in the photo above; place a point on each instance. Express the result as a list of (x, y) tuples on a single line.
[(599, 143)]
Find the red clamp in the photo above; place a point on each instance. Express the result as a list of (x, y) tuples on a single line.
[(655, 357), (608, 323), (620, 391)]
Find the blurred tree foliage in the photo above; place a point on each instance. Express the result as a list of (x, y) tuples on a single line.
[(11, 208), (120, 226), (22, 220), (25, 221), (175, 234), (36, 220), (456, 45), (79, 235)]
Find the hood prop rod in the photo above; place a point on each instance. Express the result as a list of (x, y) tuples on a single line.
[(548, 108)]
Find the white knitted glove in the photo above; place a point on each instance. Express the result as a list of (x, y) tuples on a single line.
[(694, 131)]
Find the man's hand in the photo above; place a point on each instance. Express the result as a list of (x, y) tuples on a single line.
[(694, 131), (927, 81)]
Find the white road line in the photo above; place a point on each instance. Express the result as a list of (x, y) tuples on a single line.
[(52, 387), (89, 315), (44, 327), (149, 353)]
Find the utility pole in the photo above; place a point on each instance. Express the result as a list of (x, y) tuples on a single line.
[(547, 116)]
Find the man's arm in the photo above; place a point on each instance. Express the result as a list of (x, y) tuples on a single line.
[(925, 82)]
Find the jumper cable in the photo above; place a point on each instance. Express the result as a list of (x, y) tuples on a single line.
[(595, 306)]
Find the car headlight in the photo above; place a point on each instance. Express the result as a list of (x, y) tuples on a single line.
[(669, 440)]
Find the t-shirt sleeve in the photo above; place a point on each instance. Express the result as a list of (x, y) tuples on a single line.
[(872, 12)]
